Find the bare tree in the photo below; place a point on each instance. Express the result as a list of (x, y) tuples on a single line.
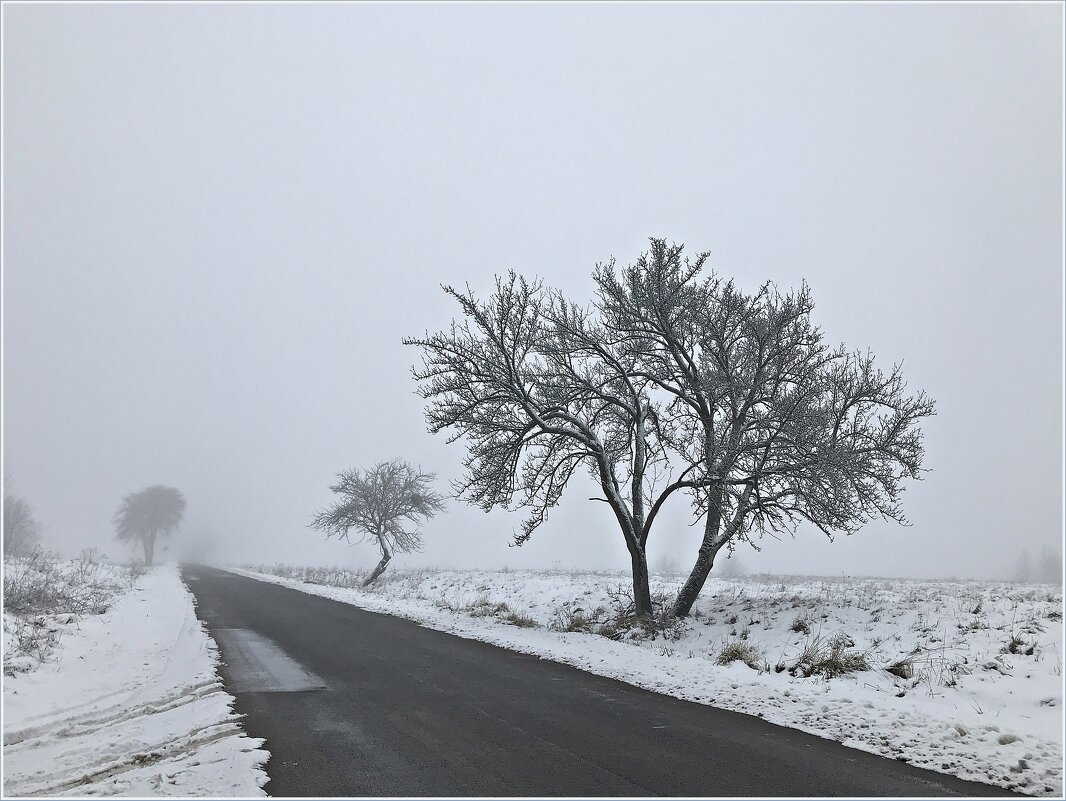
[(670, 382), (387, 503), (146, 514), (538, 388), (773, 426), (22, 532)]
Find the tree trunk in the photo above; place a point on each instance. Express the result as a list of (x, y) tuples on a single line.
[(696, 579), (704, 559), (641, 588), (386, 555), (149, 549), (637, 551), (640, 463)]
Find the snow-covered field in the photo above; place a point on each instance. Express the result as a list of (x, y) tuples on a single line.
[(961, 677), (125, 703)]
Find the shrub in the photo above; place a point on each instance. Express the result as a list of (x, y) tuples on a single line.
[(625, 621), (621, 621), (570, 617)]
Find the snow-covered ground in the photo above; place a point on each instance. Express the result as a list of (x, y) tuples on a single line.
[(126, 703), (43, 594), (979, 694)]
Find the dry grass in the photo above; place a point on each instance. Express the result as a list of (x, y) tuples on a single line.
[(829, 658), (736, 651), (571, 617), (620, 621), (43, 594), (44, 584)]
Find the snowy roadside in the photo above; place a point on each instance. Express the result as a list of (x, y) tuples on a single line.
[(1001, 727), (129, 703)]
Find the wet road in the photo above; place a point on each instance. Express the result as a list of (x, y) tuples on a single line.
[(354, 703)]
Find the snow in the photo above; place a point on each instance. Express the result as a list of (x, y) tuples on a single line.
[(129, 703), (257, 664), (974, 707)]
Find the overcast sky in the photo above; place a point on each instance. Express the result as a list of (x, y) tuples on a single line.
[(219, 222)]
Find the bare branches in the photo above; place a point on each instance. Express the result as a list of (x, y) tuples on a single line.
[(387, 502), (537, 391), (670, 371), (776, 427), (781, 427)]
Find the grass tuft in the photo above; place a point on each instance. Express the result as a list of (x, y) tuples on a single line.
[(737, 651)]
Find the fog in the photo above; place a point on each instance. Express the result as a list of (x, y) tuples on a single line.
[(219, 222)]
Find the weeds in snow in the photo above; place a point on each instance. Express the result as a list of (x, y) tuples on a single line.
[(44, 584), (829, 658), (621, 621), (483, 607), (740, 652), (43, 594)]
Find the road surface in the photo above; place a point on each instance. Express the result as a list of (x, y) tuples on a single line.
[(354, 703)]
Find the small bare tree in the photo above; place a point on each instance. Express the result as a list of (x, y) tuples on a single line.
[(774, 427), (146, 514), (22, 532), (387, 503)]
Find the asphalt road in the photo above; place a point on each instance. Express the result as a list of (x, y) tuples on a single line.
[(365, 704)]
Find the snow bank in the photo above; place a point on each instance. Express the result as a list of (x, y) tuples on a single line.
[(969, 703), (129, 704)]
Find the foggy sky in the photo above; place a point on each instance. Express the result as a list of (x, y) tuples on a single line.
[(219, 222)]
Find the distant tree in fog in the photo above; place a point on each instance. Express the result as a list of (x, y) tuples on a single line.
[(22, 532), (386, 503), (145, 515)]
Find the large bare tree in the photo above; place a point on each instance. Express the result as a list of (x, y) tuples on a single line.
[(386, 503), (773, 426), (539, 388), (671, 381), (144, 515)]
